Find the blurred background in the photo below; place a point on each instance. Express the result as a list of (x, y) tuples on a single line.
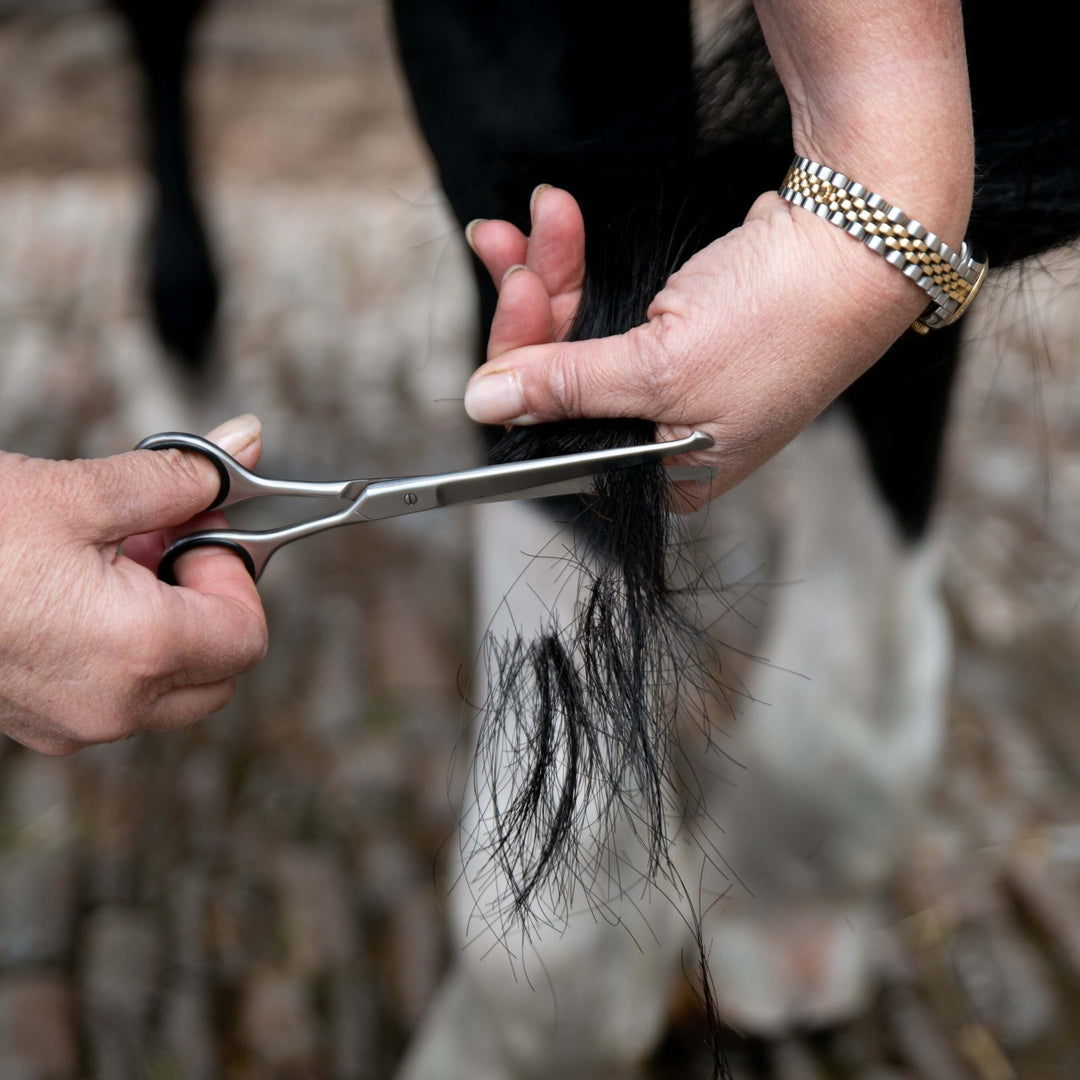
[(260, 896)]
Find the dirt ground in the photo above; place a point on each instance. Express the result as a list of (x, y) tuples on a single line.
[(259, 896)]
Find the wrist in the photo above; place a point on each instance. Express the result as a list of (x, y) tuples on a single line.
[(853, 304), (935, 189), (949, 278), (879, 92)]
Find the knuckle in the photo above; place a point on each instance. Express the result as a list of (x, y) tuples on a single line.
[(655, 370), (564, 384), (142, 478), (144, 664), (141, 652), (193, 468), (187, 472), (153, 663), (110, 720)]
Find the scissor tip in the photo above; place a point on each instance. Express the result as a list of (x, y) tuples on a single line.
[(697, 441)]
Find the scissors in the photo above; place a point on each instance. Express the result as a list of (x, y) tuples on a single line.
[(378, 499)]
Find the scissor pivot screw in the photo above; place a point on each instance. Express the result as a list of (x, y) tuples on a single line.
[(410, 497)]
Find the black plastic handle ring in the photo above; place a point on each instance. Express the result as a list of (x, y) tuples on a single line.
[(224, 483), (179, 547)]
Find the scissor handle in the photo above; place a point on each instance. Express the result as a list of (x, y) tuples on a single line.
[(235, 485), (226, 465), (167, 567), (254, 547)]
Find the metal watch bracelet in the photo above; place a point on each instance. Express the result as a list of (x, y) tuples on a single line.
[(951, 279)]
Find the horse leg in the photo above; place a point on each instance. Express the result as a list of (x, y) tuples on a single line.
[(843, 739), (183, 288), (581, 988)]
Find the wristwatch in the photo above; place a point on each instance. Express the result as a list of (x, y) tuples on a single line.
[(951, 279)]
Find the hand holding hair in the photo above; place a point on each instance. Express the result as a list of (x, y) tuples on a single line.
[(755, 334), (749, 341), (92, 646)]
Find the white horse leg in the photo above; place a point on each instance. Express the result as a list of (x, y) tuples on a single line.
[(586, 995), (838, 749)]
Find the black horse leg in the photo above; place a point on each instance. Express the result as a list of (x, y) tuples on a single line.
[(183, 281)]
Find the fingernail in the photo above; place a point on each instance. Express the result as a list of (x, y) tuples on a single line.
[(236, 434), (511, 270), (496, 399), (533, 197), (471, 228)]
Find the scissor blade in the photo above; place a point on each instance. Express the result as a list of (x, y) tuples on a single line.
[(677, 474), (410, 495)]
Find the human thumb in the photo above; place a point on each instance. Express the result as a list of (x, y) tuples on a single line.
[(601, 377), (145, 490)]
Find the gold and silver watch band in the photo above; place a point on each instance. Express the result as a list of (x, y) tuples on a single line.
[(950, 279)]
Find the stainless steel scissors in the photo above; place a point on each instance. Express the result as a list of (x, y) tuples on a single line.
[(374, 500)]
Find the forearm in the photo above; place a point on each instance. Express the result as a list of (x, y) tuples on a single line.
[(879, 90)]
